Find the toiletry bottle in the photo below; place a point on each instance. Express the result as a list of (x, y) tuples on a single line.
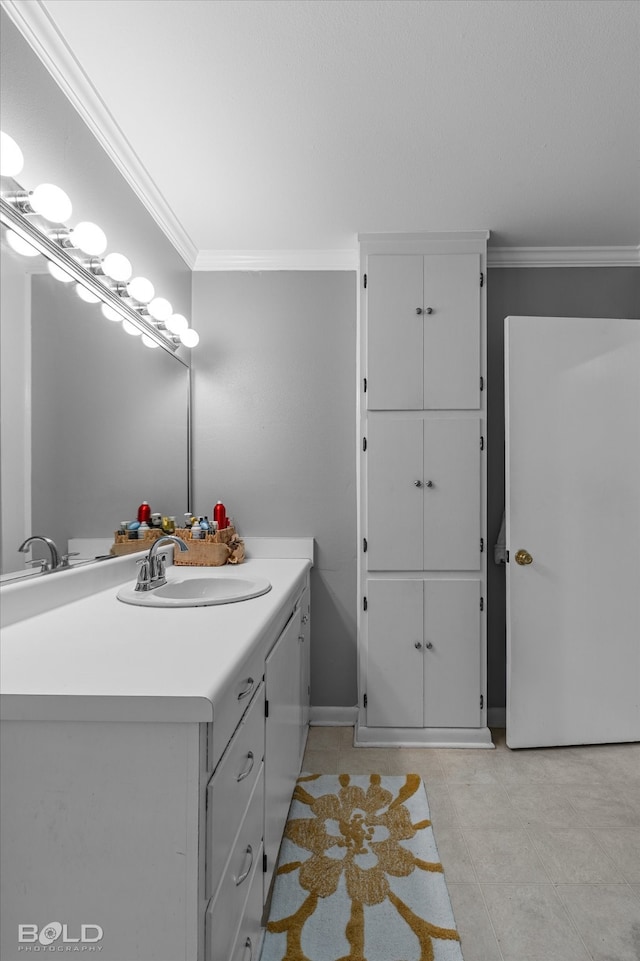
[(156, 519), (144, 512), (204, 524), (220, 515), (196, 531), (187, 520)]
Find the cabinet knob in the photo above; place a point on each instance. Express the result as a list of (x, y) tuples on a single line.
[(418, 645), (428, 310), (428, 483), (417, 483), (429, 646), (418, 310)]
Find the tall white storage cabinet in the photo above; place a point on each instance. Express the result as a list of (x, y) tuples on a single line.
[(422, 489)]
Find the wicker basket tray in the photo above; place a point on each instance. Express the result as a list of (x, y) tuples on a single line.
[(215, 550), (122, 545)]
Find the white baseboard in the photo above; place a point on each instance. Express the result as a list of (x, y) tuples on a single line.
[(497, 716), (333, 716)]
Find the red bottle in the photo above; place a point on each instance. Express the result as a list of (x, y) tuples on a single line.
[(144, 513), (220, 516)]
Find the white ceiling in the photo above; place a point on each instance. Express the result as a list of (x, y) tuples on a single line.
[(290, 125)]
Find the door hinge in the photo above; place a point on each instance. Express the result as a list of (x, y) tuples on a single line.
[(481, 442), (264, 863), (364, 443), (507, 557), (482, 383), (364, 604), (482, 545), (482, 603), (365, 385), (364, 701), (365, 281), (266, 709), (364, 544), (481, 701), (481, 279)]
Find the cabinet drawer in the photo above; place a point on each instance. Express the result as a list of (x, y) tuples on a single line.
[(228, 711), (230, 788), (248, 940), (227, 908)]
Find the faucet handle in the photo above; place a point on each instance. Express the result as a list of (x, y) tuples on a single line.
[(144, 580), (65, 558), (42, 561)]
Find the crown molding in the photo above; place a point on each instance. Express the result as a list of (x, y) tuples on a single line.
[(563, 256), (36, 26), (277, 260)]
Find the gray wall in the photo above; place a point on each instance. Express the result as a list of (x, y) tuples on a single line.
[(275, 428), (275, 434)]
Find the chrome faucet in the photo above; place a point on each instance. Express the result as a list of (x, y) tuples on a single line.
[(55, 556), (152, 569)]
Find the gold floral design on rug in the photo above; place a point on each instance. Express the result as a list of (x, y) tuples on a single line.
[(356, 836)]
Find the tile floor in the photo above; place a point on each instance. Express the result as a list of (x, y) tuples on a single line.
[(541, 848)]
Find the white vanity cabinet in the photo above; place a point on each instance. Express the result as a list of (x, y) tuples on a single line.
[(422, 490), (152, 832)]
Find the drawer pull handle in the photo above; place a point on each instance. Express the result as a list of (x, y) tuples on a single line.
[(245, 874), (247, 771), (248, 689), (248, 944)]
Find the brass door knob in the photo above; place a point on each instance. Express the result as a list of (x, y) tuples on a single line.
[(523, 557)]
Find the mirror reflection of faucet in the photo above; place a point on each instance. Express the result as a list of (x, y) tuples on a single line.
[(45, 565), (152, 567)]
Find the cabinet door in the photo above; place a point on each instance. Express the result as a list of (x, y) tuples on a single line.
[(452, 502), (282, 734), (305, 671), (452, 331), (394, 671), (394, 503), (395, 335), (452, 675)]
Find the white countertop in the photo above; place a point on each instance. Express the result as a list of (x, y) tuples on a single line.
[(95, 658)]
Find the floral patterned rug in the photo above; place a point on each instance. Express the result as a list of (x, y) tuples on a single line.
[(359, 877)]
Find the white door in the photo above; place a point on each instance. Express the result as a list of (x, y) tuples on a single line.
[(573, 506)]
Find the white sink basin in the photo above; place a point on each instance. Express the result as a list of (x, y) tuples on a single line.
[(185, 591)]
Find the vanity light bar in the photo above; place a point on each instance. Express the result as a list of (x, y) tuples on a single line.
[(51, 203), (11, 217)]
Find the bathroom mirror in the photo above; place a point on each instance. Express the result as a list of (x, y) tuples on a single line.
[(98, 422)]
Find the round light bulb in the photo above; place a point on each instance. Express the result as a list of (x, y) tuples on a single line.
[(176, 323), (140, 289), (11, 159), (149, 341), (51, 202), (190, 337), (160, 309), (117, 267), (110, 313), (59, 273), (89, 238), (131, 328), (21, 246), (88, 296)]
